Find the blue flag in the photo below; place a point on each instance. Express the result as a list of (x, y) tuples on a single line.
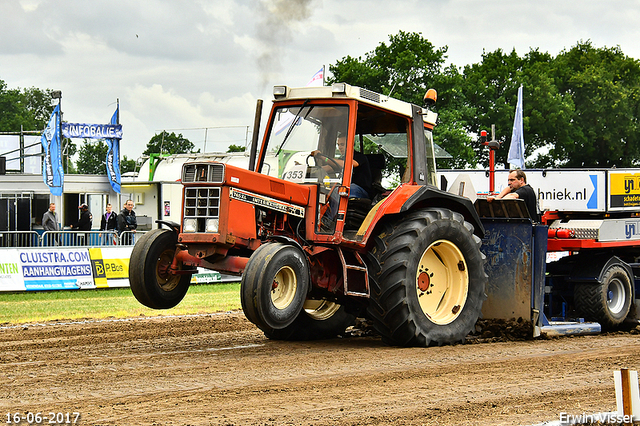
[(52, 171), (113, 157), (516, 150)]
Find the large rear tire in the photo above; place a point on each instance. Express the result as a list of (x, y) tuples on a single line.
[(319, 319), (427, 279), (274, 286), (607, 302), (149, 277)]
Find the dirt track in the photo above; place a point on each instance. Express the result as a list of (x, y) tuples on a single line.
[(220, 370)]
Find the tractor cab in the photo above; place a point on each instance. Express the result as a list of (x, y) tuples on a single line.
[(351, 146)]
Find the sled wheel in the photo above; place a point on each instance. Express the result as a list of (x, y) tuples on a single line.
[(149, 277), (274, 285), (427, 279), (607, 302), (319, 319)]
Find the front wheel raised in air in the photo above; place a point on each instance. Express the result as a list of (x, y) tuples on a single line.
[(274, 286), (149, 276), (319, 319), (607, 302), (427, 279)]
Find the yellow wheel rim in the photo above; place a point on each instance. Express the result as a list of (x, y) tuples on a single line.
[(320, 309), (283, 288), (165, 280), (442, 282)]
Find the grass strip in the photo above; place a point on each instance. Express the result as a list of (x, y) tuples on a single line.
[(29, 307)]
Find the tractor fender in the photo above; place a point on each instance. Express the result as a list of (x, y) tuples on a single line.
[(175, 227), (429, 196), (286, 240)]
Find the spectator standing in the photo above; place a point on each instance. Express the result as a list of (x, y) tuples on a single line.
[(50, 223), (84, 224), (50, 219), (109, 221), (127, 221)]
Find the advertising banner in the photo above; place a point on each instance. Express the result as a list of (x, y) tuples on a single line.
[(10, 271), (624, 189), (56, 269), (92, 131), (59, 268), (52, 171), (563, 190), (113, 157), (110, 266)]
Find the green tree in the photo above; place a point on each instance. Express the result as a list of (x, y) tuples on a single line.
[(490, 90), (92, 158), (236, 148), (68, 151), (405, 69), (26, 108), (451, 132), (127, 165), (580, 108), (169, 143), (604, 86)]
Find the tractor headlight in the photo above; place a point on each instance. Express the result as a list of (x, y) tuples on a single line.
[(189, 225), (339, 89), (279, 91), (212, 225)]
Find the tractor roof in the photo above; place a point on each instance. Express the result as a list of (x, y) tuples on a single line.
[(345, 91)]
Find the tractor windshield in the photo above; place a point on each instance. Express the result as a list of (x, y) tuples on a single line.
[(296, 133)]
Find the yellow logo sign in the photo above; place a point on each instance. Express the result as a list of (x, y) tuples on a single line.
[(107, 269)]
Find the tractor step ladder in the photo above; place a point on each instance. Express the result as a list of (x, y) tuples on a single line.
[(354, 271)]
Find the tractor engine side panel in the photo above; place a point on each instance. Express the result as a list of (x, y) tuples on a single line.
[(238, 220)]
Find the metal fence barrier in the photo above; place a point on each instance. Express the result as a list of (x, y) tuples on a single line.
[(19, 239), (68, 238), (128, 238)]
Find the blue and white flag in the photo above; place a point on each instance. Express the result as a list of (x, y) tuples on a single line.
[(113, 156), (52, 170), (317, 79), (516, 150)]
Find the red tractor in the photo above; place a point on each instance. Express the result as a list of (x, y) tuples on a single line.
[(314, 251)]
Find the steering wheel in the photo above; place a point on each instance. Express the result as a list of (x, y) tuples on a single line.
[(335, 167), (316, 168)]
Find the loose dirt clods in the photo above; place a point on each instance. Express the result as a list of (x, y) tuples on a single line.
[(220, 370)]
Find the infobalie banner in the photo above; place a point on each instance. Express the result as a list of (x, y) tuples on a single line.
[(92, 131)]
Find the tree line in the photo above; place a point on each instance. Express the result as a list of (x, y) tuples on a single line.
[(580, 107)]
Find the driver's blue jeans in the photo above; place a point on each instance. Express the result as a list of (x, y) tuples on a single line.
[(357, 192)]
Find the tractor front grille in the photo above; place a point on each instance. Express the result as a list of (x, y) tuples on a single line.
[(201, 209)]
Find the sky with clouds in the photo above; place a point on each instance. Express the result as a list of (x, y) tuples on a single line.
[(193, 64)]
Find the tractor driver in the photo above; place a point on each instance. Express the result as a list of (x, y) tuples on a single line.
[(518, 188), (361, 177)]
